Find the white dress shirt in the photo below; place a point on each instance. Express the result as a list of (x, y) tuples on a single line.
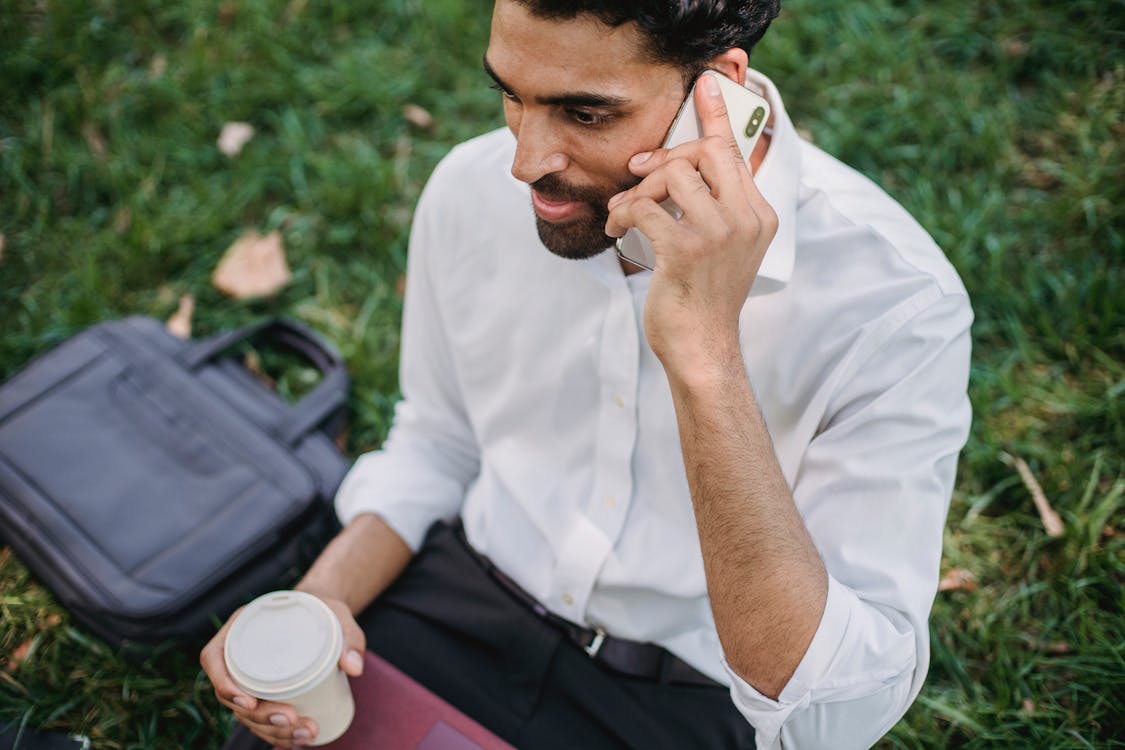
[(533, 406)]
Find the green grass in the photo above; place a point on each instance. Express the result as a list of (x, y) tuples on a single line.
[(999, 125)]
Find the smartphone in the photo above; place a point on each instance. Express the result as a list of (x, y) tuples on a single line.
[(748, 113)]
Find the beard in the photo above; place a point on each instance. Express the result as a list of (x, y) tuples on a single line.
[(582, 237)]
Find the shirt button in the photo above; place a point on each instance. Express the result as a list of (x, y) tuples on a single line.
[(619, 402), (568, 600)]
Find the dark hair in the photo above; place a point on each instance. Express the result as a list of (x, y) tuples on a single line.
[(683, 33)]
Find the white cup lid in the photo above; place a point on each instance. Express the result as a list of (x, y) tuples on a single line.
[(283, 644)]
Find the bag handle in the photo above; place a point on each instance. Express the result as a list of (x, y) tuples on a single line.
[(316, 406)]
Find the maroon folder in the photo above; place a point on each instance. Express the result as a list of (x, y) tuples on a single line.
[(393, 712)]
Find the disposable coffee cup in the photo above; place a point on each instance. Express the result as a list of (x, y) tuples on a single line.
[(285, 647)]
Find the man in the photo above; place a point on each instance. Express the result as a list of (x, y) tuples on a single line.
[(724, 480)]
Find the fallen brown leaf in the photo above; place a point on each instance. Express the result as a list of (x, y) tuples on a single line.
[(227, 12), (1058, 648), (1052, 523), (253, 364), (254, 266), (418, 116), (294, 9), (52, 621), (179, 324), (233, 137), (157, 66), (5, 553), (400, 285), (1028, 706), (19, 656), (3, 241), (122, 220), (1014, 47), (95, 141), (957, 579)]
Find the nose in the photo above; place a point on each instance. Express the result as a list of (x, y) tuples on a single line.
[(538, 151)]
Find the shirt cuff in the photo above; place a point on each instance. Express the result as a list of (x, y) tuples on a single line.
[(407, 504), (832, 668)]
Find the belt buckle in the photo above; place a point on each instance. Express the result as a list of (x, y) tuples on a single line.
[(595, 645)]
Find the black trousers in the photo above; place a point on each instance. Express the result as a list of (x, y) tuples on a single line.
[(451, 627)]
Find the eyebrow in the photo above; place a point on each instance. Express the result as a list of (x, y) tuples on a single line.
[(569, 99)]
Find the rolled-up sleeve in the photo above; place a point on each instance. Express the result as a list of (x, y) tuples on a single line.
[(873, 489), (421, 473)]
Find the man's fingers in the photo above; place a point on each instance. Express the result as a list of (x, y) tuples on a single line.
[(278, 723), (644, 214), (211, 659), (351, 659)]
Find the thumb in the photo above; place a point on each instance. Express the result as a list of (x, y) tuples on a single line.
[(351, 660)]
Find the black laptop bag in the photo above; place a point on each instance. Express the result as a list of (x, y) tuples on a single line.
[(155, 485)]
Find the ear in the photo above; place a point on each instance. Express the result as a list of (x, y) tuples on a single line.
[(731, 63)]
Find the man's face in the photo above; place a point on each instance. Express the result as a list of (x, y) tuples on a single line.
[(581, 99)]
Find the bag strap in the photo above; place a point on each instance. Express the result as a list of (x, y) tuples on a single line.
[(325, 399)]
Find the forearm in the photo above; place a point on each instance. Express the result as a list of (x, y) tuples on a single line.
[(766, 582), (363, 559)]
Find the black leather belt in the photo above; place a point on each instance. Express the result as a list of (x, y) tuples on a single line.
[(644, 660)]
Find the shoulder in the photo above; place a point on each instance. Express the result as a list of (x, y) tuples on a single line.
[(472, 181), (478, 167), (849, 225), (472, 208)]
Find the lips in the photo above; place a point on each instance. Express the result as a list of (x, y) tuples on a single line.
[(549, 210)]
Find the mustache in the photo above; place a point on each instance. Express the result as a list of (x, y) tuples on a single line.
[(554, 188)]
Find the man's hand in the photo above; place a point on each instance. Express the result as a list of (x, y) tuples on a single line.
[(766, 582), (706, 260), (277, 723)]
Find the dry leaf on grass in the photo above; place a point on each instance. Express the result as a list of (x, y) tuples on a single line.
[(5, 553), (418, 116), (157, 66), (1028, 706), (957, 579), (2, 241), (254, 266), (95, 141), (180, 323), (234, 136), (1058, 648), (19, 656), (122, 220), (1051, 520), (253, 364)]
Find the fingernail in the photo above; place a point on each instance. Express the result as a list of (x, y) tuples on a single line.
[(354, 661), (279, 720), (710, 85), (241, 702), (640, 158), (301, 733), (616, 199)]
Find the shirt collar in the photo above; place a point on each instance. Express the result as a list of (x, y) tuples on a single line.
[(778, 178)]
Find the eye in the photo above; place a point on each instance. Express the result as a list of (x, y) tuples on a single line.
[(504, 92), (587, 118)]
